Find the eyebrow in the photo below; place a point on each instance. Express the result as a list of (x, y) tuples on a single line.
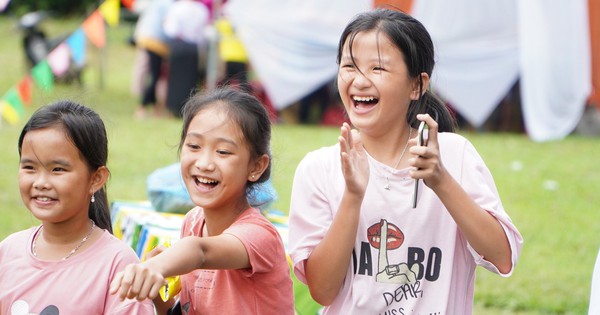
[(53, 162), (219, 139)]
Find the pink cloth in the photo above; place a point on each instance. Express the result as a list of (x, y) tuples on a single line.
[(423, 263), (264, 289), (78, 285)]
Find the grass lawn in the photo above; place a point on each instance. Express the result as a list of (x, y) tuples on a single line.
[(549, 189)]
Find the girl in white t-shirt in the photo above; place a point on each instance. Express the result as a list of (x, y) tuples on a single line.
[(357, 238)]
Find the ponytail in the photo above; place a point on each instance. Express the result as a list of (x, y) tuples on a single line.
[(99, 210), (430, 104)]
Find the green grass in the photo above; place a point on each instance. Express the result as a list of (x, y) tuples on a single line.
[(560, 226)]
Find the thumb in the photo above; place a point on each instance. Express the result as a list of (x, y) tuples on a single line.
[(116, 283)]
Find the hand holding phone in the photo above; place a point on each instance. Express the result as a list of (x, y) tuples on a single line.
[(422, 137)]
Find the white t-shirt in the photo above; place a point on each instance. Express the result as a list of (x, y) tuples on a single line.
[(78, 285), (186, 20), (427, 266), (594, 307)]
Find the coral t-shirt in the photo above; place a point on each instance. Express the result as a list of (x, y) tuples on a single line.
[(78, 285), (264, 289)]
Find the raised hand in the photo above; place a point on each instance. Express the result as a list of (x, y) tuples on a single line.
[(355, 164), (427, 160)]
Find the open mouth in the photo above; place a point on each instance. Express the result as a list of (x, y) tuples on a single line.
[(364, 101), (205, 182)]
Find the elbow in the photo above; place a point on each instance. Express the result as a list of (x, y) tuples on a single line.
[(321, 297), (504, 267), (321, 292)]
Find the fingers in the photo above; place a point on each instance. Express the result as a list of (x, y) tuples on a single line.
[(116, 283), (137, 281), (433, 128), (355, 138), (155, 251), (426, 156)]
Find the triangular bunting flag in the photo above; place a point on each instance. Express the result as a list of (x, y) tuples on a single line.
[(12, 97), (12, 106), (24, 89), (42, 75), (59, 59), (76, 43), (128, 4), (93, 27), (9, 113), (110, 11)]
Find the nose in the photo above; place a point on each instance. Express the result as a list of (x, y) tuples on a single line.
[(360, 80), (204, 161), (41, 182)]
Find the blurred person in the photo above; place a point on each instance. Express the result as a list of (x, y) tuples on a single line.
[(185, 25), (150, 37), (233, 55), (319, 98)]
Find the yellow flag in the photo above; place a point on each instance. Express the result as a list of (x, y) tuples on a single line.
[(9, 113), (110, 11)]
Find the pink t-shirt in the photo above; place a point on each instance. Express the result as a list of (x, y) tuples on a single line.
[(423, 263), (264, 289), (78, 285)]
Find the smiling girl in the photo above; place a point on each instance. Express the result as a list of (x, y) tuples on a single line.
[(231, 258), (64, 265), (355, 237)]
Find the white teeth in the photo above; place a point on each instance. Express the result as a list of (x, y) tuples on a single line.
[(207, 181), (43, 198), (364, 98)]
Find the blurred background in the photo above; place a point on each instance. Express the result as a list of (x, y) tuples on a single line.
[(521, 77)]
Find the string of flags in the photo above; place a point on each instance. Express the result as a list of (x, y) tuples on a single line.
[(56, 63)]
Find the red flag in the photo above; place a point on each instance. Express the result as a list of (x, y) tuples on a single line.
[(93, 27), (24, 88)]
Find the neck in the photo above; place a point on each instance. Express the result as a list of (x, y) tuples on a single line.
[(65, 232), (388, 148), (217, 220)]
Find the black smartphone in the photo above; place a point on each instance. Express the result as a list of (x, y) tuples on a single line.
[(422, 137)]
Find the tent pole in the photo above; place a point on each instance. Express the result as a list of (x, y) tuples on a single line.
[(213, 50)]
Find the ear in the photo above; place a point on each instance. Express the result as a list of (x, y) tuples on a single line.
[(99, 178), (260, 165), (424, 80)]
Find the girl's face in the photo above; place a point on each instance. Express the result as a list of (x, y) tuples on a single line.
[(55, 182), (375, 87), (215, 162)]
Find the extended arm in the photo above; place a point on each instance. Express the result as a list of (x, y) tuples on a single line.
[(189, 253)]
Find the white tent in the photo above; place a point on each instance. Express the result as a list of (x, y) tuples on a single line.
[(482, 48)]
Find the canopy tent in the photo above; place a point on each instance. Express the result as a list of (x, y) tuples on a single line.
[(483, 47)]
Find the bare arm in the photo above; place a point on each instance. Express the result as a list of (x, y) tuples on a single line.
[(482, 230), (143, 280), (327, 265)]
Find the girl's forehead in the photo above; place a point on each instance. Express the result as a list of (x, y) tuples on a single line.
[(214, 120), (373, 37), (49, 143)]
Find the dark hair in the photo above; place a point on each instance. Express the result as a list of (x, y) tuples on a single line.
[(247, 112), (86, 130), (413, 40)]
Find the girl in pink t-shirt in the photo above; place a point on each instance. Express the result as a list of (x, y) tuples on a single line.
[(64, 265), (231, 258)]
